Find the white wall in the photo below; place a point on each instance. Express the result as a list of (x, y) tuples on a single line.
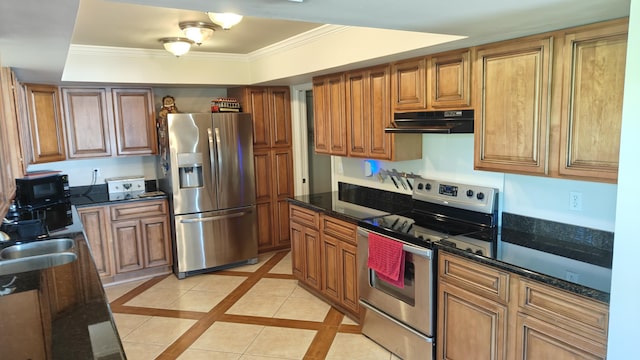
[(450, 157), (81, 171), (625, 288)]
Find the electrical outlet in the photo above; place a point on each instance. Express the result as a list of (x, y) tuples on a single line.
[(575, 201), (96, 172), (571, 276)]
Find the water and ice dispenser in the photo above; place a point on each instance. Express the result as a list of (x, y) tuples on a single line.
[(190, 170)]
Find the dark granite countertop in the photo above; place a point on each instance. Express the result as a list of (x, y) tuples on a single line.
[(350, 204), (80, 325), (99, 195)]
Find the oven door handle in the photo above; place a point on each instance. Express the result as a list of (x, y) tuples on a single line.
[(422, 252)]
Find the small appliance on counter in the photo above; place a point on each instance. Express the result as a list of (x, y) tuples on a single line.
[(126, 187), (43, 196)]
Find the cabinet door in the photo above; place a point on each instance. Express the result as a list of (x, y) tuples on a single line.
[(45, 123), (469, 324), (263, 168), (134, 121), (377, 101), (329, 115), (156, 241), (280, 114), (127, 240), (258, 106), (349, 277), (449, 78), (511, 99), (593, 88), (265, 226), (21, 328), (536, 339), (409, 91), (330, 255), (87, 122), (305, 255), (95, 222), (11, 130), (357, 117)]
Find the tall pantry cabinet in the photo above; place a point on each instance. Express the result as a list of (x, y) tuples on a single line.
[(270, 108)]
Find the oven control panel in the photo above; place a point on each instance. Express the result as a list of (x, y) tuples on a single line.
[(462, 196)]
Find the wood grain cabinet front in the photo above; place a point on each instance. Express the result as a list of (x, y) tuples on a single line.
[(329, 122), (46, 129), (128, 240), (495, 314), (305, 247)]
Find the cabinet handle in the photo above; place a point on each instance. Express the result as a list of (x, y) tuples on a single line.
[(212, 218)]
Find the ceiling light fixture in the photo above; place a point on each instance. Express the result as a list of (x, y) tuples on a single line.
[(197, 31), (177, 45), (226, 20)]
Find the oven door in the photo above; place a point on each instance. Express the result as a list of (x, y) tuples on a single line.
[(411, 305)]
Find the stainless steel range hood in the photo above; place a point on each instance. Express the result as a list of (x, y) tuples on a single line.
[(439, 122)]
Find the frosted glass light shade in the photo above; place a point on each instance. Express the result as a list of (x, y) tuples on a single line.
[(226, 20), (197, 31), (177, 45)]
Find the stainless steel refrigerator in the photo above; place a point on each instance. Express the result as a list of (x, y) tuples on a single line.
[(206, 168)]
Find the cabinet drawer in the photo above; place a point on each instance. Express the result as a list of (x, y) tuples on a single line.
[(138, 209), (469, 275), (341, 229), (304, 216), (570, 311)]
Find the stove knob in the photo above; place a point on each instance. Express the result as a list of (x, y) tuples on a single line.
[(480, 196), (427, 186), (469, 193), (479, 252), (420, 186), (421, 237), (469, 249)]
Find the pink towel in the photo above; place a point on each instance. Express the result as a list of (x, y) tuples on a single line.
[(386, 258)]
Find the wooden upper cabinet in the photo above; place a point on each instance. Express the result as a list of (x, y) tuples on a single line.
[(11, 123), (408, 89), (368, 113), (270, 109), (511, 93), (449, 80), (88, 122), (592, 91), (440, 81), (45, 123), (330, 135), (134, 121)]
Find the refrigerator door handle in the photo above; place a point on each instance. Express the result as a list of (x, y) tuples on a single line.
[(218, 159), (212, 218), (214, 158)]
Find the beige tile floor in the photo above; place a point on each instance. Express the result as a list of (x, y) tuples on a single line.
[(272, 319)]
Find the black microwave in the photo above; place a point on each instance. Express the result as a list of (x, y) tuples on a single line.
[(42, 190)]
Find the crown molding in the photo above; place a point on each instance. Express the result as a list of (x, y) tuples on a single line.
[(92, 50), (297, 40)]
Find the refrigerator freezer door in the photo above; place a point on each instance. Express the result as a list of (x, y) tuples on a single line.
[(215, 239), (233, 146), (192, 184)]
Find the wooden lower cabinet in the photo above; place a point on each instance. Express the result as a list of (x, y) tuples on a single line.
[(469, 324), (537, 339), (130, 239), (96, 226), (21, 328), (323, 251), (487, 313)]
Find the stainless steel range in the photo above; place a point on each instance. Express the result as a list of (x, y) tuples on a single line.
[(401, 317)]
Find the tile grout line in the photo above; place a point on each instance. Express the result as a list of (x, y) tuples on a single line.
[(195, 331)]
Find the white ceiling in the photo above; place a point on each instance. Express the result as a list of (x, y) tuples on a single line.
[(35, 35)]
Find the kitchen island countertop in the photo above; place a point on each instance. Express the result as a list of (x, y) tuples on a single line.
[(77, 322)]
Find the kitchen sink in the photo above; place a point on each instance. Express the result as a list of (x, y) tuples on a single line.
[(36, 248), (37, 262)]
